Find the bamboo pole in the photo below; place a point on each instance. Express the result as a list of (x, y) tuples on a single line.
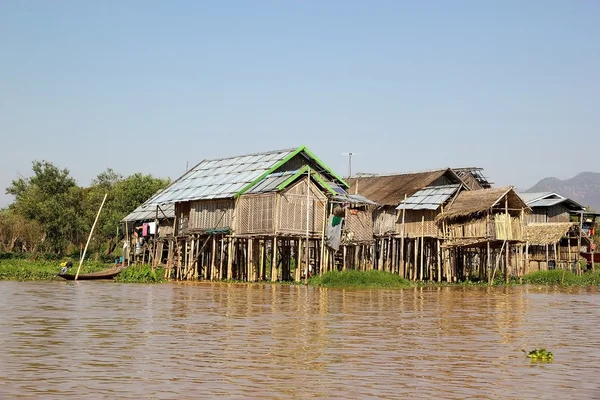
[(90, 237), (498, 258), (229, 258), (402, 234), (221, 253), (274, 261), (299, 262), (439, 260), (306, 250), (250, 260), (416, 261), (421, 276), (213, 259), (506, 227)]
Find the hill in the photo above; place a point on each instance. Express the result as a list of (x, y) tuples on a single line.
[(584, 188)]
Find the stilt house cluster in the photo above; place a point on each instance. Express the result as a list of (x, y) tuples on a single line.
[(285, 215)]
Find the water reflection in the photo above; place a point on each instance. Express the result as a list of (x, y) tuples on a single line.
[(190, 340)]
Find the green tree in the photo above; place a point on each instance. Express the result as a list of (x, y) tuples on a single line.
[(52, 199), (124, 196)]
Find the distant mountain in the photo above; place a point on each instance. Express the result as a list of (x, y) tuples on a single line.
[(584, 188)]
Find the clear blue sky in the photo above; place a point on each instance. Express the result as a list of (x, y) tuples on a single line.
[(511, 86)]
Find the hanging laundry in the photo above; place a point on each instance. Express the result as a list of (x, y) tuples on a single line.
[(145, 229), (334, 232), (151, 228)]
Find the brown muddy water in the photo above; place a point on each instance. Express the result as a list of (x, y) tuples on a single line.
[(184, 341)]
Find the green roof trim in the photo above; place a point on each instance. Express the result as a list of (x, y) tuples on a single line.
[(293, 178), (286, 159), (324, 166), (267, 173), (323, 183), (303, 171)]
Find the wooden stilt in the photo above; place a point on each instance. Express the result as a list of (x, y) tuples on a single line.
[(439, 261), (229, 258), (274, 259)]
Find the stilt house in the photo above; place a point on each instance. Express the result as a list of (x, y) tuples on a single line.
[(407, 207), (476, 223), (251, 217)]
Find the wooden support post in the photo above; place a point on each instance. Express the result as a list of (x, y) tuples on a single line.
[(439, 261), (416, 261), (250, 260), (526, 271), (274, 275), (555, 255), (344, 255), (299, 267), (380, 257), (213, 259), (261, 260), (229, 258)]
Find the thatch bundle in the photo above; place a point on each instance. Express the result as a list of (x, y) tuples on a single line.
[(475, 204), (389, 190), (547, 233)]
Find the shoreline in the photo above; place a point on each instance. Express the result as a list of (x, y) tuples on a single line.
[(26, 270)]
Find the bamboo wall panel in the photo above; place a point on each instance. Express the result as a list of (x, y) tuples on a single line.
[(413, 224), (384, 221), (255, 214), (292, 218), (210, 214), (182, 211), (358, 226)]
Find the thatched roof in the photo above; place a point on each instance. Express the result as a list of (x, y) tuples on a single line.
[(390, 190), (546, 233), (550, 233), (475, 203)]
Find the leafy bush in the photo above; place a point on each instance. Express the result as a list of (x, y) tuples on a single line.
[(561, 277), (27, 270), (360, 279), (141, 274)]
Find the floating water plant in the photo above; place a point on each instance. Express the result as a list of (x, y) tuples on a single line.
[(539, 355)]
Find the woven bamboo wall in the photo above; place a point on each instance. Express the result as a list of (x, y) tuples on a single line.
[(166, 228), (501, 227), (507, 227), (210, 214), (182, 211), (413, 224), (472, 229), (291, 211), (255, 214), (384, 221), (358, 226)]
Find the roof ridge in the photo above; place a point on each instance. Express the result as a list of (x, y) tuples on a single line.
[(262, 153), (375, 175)]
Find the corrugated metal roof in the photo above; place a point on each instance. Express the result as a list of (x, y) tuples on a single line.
[(148, 212), (222, 178), (429, 198), (545, 202), (528, 197), (271, 182), (549, 199)]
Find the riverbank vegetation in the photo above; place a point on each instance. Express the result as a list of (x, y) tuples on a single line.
[(45, 268), (33, 270), (52, 214), (359, 279), (141, 274)]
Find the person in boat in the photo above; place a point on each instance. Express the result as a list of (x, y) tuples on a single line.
[(65, 267)]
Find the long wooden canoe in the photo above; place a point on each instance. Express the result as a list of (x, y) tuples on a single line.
[(104, 274)]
